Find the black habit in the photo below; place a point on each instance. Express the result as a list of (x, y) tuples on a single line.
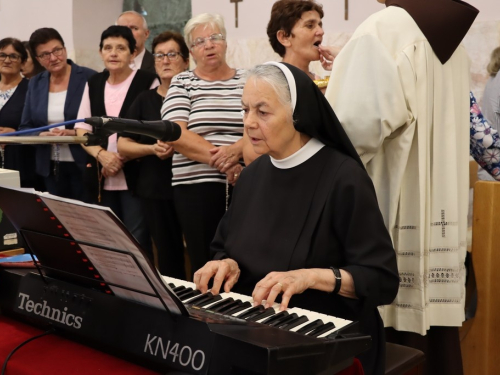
[(318, 214)]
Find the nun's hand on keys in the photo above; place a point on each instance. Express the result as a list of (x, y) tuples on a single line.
[(285, 283), (225, 271)]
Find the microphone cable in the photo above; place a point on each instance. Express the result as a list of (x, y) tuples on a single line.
[(4, 367), (48, 127)]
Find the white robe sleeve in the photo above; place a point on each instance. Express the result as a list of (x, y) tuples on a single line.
[(366, 93)]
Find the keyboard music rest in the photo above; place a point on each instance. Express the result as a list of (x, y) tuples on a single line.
[(204, 343)]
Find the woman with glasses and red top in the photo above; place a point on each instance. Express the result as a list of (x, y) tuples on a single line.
[(54, 96), (206, 103), (153, 161)]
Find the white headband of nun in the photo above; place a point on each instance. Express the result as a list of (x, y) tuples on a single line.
[(289, 77)]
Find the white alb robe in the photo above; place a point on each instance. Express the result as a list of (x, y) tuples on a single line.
[(408, 117)]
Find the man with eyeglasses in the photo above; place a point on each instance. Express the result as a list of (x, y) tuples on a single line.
[(143, 59)]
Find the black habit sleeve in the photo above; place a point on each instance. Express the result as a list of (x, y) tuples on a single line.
[(358, 224)]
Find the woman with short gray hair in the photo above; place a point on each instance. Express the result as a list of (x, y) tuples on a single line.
[(206, 103)]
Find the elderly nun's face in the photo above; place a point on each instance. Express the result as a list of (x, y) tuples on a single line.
[(268, 122)]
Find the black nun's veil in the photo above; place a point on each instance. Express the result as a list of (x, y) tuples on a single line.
[(312, 113)]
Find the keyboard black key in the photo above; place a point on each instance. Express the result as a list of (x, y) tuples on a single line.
[(293, 323), (172, 286), (184, 292), (275, 317), (189, 295), (177, 289), (321, 329), (309, 327), (207, 301), (251, 312), (283, 320), (264, 314), (201, 297), (240, 307), (221, 304), (229, 306)]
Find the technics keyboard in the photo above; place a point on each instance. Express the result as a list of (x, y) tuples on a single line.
[(236, 305), (221, 336)]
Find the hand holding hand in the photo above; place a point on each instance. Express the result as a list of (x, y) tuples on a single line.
[(223, 158), (48, 134), (112, 162), (162, 150), (233, 174), (104, 173), (287, 283), (225, 270), (56, 132)]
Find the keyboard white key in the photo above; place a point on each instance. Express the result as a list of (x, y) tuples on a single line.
[(311, 315)]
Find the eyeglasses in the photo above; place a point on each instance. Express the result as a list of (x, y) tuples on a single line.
[(214, 38), (13, 57), (46, 55), (171, 56)]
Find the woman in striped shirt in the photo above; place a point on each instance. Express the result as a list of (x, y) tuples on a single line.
[(206, 103)]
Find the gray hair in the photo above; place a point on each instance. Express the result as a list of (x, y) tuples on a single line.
[(204, 19), (144, 22), (274, 77)]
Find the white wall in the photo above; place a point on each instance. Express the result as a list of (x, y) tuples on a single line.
[(90, 19), (19, 18), (248, 44), (80, 23), (489, 10), (254, 14)]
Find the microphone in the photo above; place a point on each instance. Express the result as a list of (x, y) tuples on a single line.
[(166, 131)]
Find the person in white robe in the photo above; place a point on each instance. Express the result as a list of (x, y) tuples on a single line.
[(400, 88)]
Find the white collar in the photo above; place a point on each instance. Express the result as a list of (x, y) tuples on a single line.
[(300, 156), (138, 59)]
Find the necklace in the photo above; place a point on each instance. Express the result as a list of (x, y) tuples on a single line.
[(9, 86)]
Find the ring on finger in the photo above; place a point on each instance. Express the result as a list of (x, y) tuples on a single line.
[(280, 285)]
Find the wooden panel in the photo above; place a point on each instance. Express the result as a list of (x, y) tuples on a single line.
[(481, 342), (473, 167)]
